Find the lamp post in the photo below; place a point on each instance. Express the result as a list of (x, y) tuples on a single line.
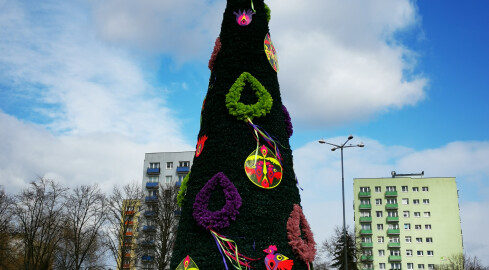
[(335, 146)]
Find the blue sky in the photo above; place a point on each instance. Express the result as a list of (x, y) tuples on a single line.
[(87, 87)]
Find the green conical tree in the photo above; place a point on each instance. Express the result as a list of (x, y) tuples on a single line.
[(263, 213)]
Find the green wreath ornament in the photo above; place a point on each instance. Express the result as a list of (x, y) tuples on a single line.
[(243, 111)]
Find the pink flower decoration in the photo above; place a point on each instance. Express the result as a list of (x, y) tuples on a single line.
[(305, 248)]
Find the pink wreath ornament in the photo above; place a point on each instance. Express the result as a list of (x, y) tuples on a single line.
[(305, 249)]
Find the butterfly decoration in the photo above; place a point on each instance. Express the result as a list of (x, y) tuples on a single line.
[(243, 18), (187, 264), (277, 261), (263, 168)]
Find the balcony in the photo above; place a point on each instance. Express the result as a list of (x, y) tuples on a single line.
[(367, 258), (391, 193), (147, 258), (153, 171), (365, 219), (392, 219), (152, 185), (151, 199), (148, 243), (367, 245), (365, 206), (126, 266), (129, 213), (127, 255), (149, 213), (129, 222), (149, 228), (391, 206), (128, 233), (393, 245), (393, 231), (183, 169), (394, 258), (365, 232), (178, 183), (364, 194)]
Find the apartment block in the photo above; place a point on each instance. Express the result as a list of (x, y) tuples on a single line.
[(168, 168), (129, 233), (407, 222)]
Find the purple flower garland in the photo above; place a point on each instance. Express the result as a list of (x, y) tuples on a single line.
[(221, 218), (288, 122)]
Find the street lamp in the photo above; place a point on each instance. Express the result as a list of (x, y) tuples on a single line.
[(335, 146)]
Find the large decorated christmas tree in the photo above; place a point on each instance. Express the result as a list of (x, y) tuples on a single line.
[(240, 202)]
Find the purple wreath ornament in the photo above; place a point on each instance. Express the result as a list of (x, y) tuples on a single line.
[(218, 219)]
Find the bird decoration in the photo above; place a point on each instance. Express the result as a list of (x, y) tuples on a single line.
[(277, 261)]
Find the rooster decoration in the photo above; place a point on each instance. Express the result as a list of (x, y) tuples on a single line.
[(277, 261)]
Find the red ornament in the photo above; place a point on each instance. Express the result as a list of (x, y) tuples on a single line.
[(200, 145)]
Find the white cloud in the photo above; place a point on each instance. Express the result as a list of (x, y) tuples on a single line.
[(184, 28), (319, 173), (339, 60), (97, 114)]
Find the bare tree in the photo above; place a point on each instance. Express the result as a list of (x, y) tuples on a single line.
[(8, 255), (163, 215), (121, 232), (333, 250), (38, 212), (85, 214), (461, 261)]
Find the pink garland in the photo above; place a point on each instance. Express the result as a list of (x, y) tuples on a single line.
[(305, 248), (217, 48)]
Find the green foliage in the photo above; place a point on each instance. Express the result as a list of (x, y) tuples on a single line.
[(268, 11), (243, 111), (335, 247), (182, 191)]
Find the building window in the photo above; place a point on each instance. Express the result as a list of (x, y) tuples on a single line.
[(392, 213), (410, 266), (415, 189), (417, 227), (395, 252), (409, 252), (364, 189), (367, 252), (405, 201), (381, 253), (417, 214), (378, 213), (380, 239), (431, 266), (404, 188), (184, 164), (407, 226), (415, 201), (378, 201), (154, 165), (381, 265), (153, 179), (391, 201), (420, 266), (425, 188), (169, 165), (405, 214), (366, 239), (168, 179), (365, 201), (419, 240), (429, 240), (180, 178), (426, 201), (393, 226), (408, 239), (378, 189), (364, 213), (390, 188), (380, 227), (396, 266), (366, 227), (429, 252), (427, 214), (394, 239), (419, 253)]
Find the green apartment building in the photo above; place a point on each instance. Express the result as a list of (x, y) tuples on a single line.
[(407, 222)]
